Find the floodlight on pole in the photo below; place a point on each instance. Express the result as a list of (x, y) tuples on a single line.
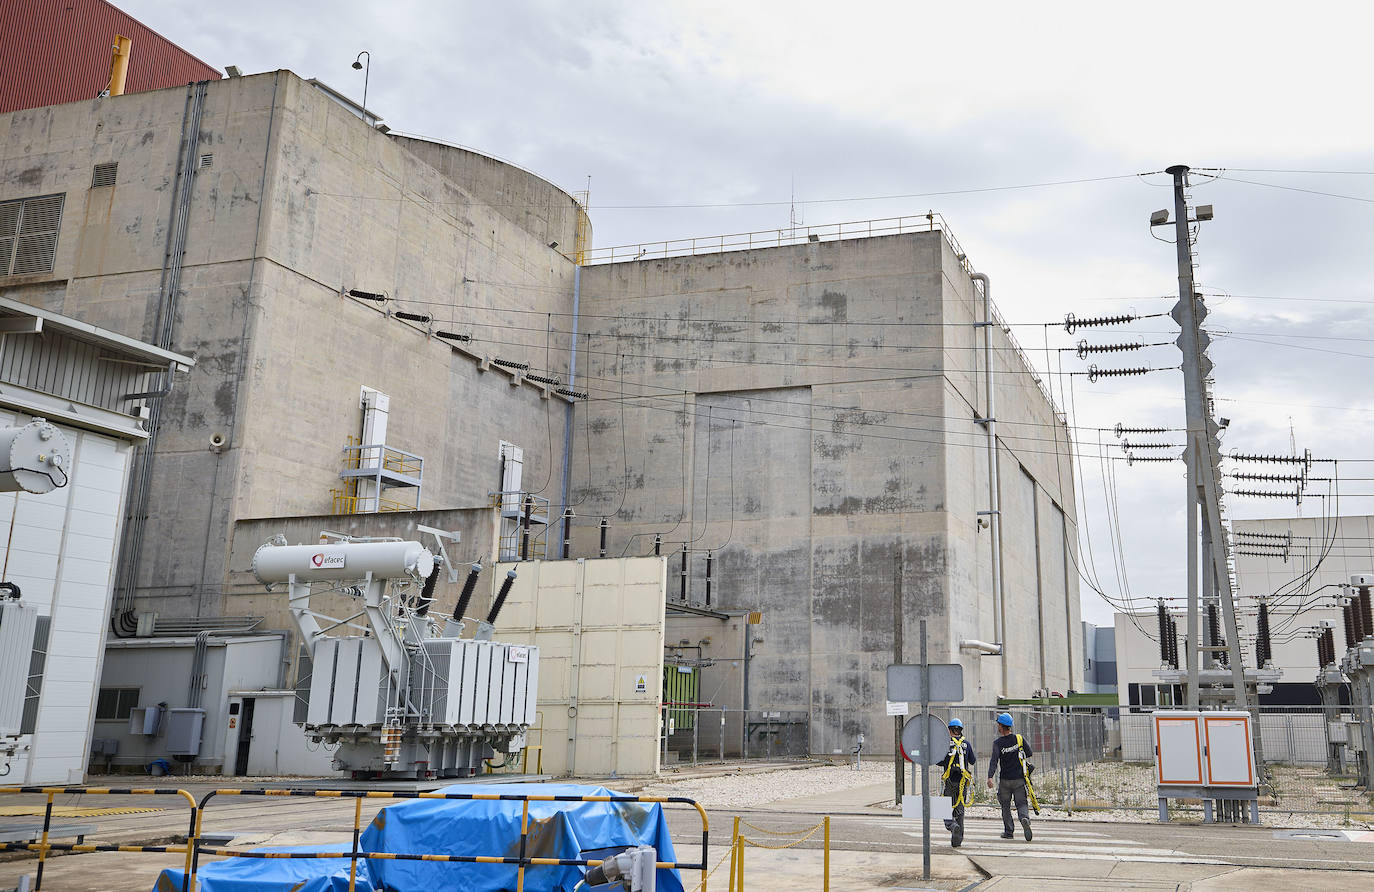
[(367, 72)]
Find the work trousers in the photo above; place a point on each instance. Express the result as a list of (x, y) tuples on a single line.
[(1006, 791)]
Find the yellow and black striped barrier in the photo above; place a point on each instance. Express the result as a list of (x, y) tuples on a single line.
[(522, 861), (43, 846)]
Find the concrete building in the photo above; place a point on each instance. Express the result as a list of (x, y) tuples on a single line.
[(804, 420), (822, 441), (1099, 659)]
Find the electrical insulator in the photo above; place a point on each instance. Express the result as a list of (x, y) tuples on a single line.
[(1072, 323), (1348, 614), (1321, 651), (1366, 609), (1163, 619), (1173, 644), (1263, 646)]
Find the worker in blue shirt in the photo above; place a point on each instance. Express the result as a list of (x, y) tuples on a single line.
[(958, 779), (1009, 753)]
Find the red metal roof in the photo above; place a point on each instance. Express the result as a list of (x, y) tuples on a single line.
[(56, 51)]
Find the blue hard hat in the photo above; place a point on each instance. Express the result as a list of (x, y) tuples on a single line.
[(956, 723), (1004, 720)]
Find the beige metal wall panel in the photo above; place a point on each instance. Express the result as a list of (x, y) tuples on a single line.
[(599, 628)]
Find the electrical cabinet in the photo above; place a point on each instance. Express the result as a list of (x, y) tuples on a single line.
[(1207, 749), (184, 727)]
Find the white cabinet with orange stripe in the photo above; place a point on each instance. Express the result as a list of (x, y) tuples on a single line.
[(1204, 749)]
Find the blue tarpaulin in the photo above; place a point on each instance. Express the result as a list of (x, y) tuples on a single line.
[(580, 830), (485, 827), (272, 874)]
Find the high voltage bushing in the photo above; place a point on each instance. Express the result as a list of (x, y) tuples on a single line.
[(574, 394), (1162, 618), (1122, 429), (413, 317), (1084, 348), (452, 336), (1173, 644), (552, 382), (1263, 646), (1094, 372), (1365, 605), (466, 595), (501, 597), (427, 593), (511, 364), (605, 525), (1073, 323), (1348, 617), (1322, 661), (567, 531), (366, 295)]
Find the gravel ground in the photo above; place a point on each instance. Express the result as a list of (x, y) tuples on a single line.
[(743, 790)]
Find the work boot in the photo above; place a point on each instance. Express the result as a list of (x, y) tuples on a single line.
[(1025, 828), (956, 838), (1008, 835)]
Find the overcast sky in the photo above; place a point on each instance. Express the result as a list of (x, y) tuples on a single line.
[(866, 110)]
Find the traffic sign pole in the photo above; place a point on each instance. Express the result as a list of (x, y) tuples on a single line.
[(925, 750)]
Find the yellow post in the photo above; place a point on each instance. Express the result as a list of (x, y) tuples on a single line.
[(740, 861), (827, 853), (524, 836), (357, 825), (119, 64), (43, 844)]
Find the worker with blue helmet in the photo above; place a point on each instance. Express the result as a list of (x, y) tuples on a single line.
[(957, 779), (1009, 753)]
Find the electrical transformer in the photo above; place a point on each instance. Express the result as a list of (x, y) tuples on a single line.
[(400, 693)]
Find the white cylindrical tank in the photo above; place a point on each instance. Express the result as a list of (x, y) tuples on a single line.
[(342, 560), (34, 458)]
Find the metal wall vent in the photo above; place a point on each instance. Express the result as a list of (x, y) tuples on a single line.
[(28, 234), (104, 175), (207, 159)]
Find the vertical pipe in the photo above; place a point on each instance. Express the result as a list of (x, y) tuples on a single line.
[(682, 577), (119, 64), (898, 630), (994, 478), (708, 578), (528, 509), (605, 525), (572, 383)]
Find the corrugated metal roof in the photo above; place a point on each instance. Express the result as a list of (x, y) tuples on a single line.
[(57, 51)]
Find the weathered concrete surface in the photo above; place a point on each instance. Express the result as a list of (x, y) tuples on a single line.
[(807, 415), (295, 198)]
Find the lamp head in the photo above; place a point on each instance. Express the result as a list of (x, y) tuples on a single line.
[(357, 65)]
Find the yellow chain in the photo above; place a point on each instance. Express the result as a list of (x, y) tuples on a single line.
[(807, 830), (792, 844), (701, 885)]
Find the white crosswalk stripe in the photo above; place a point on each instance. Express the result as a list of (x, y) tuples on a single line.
[(983, 837)]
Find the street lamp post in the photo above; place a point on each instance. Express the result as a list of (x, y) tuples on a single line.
[(367, 71)]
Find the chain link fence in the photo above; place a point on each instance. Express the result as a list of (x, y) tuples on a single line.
[(1086, 758)]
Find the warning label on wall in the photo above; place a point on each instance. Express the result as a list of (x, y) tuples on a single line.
[(641, 685)]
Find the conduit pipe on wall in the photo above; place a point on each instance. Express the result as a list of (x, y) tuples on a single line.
[(994, 513), (983, 648)]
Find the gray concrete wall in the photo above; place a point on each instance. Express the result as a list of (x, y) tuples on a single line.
[(807, 415), (534, 204), (300, 200)]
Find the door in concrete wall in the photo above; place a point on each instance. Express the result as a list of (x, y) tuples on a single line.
[(241, 758)]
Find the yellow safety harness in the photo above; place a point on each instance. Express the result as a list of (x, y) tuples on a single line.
[(956, 757), (1026, 773)]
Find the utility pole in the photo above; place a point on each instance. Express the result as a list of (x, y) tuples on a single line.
[(1203, 449)]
